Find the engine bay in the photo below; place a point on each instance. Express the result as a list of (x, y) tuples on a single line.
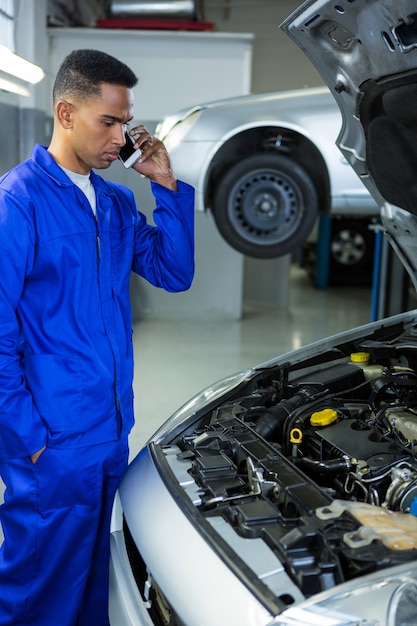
[(317, 458)]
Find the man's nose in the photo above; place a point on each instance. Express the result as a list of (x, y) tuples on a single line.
[(120, 135)]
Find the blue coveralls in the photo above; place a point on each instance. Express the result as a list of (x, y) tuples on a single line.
[(66, 371)]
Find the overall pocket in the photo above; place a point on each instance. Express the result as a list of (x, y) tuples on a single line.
[(56, 384)]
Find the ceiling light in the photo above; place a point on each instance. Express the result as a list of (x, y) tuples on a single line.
[(11, 87), (17, 66)]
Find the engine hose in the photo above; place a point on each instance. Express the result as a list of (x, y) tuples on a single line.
[(270, 424), (332, 466)]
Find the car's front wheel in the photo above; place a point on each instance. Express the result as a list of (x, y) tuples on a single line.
[(265, 205)]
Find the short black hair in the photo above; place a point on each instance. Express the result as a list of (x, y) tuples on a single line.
[(83, 72)]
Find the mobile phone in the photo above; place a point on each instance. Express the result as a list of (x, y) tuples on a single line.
[(128, 155)]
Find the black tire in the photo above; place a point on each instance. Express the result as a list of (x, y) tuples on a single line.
[(349, 246), (265, 206), (351, 251)]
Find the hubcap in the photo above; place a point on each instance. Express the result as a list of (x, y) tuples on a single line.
[(265, 205), (349, 247)]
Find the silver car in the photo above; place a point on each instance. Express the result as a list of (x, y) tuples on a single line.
[(267, 166), (286, 495)]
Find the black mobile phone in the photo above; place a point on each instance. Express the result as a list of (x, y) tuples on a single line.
[(128, 155)]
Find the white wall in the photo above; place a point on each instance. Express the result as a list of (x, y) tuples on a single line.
[(175, 69), (278, 64)]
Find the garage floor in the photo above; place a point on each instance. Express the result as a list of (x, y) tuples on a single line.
[(177, 359)]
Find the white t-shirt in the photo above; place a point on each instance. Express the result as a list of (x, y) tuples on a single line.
[(84, 183)]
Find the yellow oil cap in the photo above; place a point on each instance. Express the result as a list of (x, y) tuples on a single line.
[(323, 418), (360, 357)]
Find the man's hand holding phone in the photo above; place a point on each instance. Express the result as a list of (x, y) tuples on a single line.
[(148, 156), (128, 154)]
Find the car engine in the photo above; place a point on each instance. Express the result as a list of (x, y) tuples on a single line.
[(316, 458)]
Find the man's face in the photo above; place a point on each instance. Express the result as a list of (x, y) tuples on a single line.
[(97, 131)]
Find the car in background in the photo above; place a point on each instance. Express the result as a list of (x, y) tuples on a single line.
[(286, 494), (267, 166)]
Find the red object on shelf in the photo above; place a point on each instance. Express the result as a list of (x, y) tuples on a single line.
[(154, 24)]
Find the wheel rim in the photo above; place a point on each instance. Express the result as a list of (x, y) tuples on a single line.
[(348, 247), (265, 206)]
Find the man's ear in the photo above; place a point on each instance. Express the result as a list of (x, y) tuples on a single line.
[(65, 113)]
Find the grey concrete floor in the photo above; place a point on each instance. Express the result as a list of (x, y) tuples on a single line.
[(177, 359)]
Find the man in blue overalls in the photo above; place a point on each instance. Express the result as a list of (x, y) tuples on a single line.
[(68, 243)]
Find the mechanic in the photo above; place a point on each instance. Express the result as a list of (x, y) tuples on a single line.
[(68, 242)]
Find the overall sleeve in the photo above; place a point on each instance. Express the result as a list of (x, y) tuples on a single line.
[(22, 431), (165, 255)]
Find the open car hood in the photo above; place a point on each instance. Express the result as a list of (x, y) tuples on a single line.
[(366, 52)]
